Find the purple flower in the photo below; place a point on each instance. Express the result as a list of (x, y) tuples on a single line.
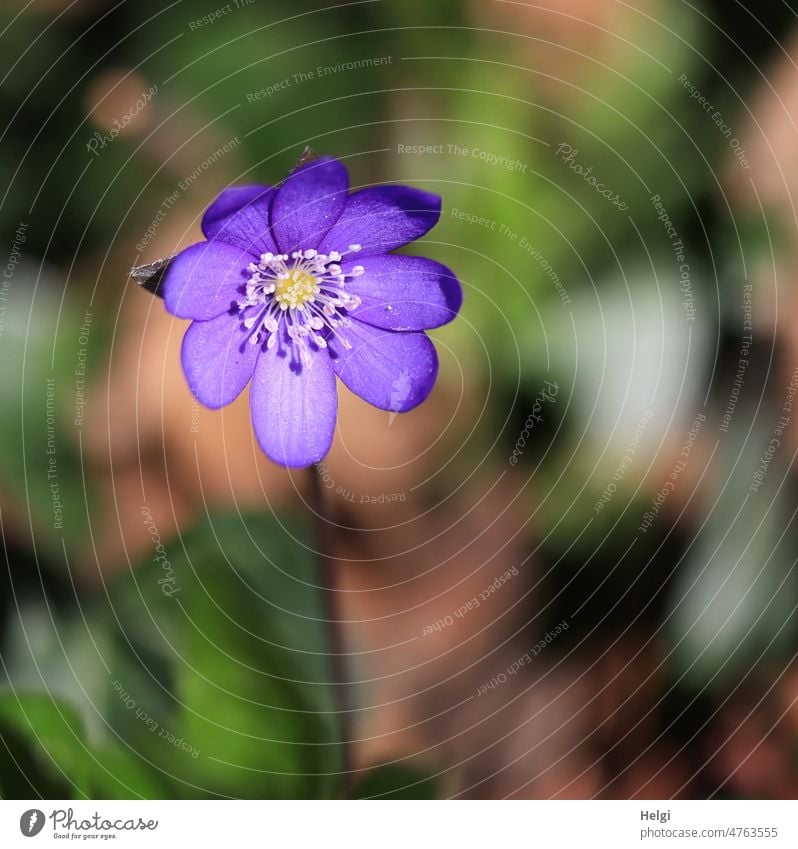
[(297, 284)]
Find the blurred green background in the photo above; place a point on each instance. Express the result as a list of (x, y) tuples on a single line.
[(617, 187)]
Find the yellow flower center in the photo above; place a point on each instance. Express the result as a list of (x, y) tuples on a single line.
[(295, 290)]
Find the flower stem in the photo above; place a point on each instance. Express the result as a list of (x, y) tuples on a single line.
[(326, 576)]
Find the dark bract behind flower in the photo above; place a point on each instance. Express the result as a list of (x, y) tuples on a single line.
[(297, 284)]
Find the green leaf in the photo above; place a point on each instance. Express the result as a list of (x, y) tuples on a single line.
[(219, 671), (46, 754), (393, 781), (123, 774), (44, 749)]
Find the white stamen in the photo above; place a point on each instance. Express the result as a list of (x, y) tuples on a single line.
[(303, 296)]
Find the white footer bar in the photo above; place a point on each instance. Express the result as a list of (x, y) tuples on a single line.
[(388, 824)]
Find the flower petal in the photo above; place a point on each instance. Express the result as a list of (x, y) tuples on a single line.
[(308, 203), (382, 218), (392, 371), (230, 201), (248, 228), (218, 359), (405, 292), (294, 406), (204, 280)]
